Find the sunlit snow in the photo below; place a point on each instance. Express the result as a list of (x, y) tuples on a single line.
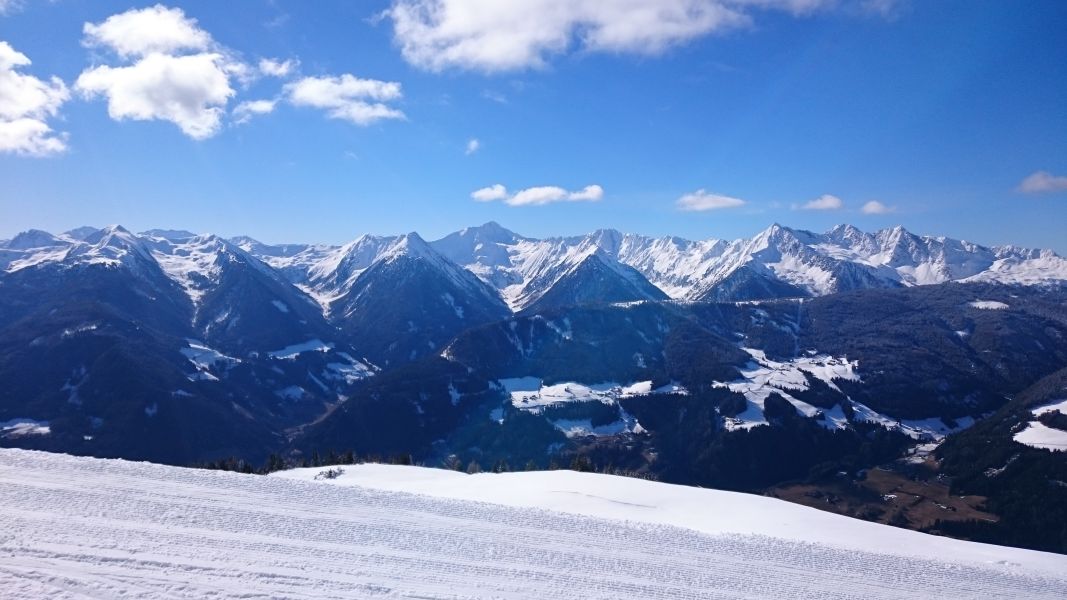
[(1039, 435), (90, 528)]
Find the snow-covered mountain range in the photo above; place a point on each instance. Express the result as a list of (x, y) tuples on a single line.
[(604, 266), (777, 262), (490, 346)]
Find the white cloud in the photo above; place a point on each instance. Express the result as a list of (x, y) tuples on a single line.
[(189, 91), (156, 29), (537, 196), (275, 68), (473, 145), (175, 71), (360, 101), (590, 193), (824, 202), (488, 194), (245, 111), (490, 35), (496, 35), (26, 102), (701, 200), (1041, 182), (875, 207)]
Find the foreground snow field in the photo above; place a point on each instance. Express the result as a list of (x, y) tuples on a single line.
[(88, 528)]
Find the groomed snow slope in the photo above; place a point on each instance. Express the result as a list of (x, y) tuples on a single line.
[(89, 528)]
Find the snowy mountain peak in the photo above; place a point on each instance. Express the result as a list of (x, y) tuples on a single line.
[(33, 238), (410, 245), (80, 233), (776, 261), (489, 232), (173, 235), (109, 232), (847, 235)]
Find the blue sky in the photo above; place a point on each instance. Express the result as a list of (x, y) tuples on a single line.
[(949, 114)]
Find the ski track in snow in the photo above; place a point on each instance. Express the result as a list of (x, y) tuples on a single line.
[(88, 528)]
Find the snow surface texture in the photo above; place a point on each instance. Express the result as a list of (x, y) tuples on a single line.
[(90, 528), (1039, 435)]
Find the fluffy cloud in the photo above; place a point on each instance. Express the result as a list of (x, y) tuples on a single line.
[(875, 207), (701, 200), (488, 194), (156, 29), (824, 202), (590, 193), (189, 91), (245, 111), (360, 101), (536, 196), (1042, 182), (175, 71), (25, 104), (491, 35), (275, 68), (472, 146)]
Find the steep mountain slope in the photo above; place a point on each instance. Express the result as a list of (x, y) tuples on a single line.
[(534, 275), (409, 302), (587, 276), (240, 303), (115, 344), (485, 251), (89, 349), (998, 459)]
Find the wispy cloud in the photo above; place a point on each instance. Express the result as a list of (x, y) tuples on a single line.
[(495, 96), (701, 200), (347, 97), (539, 195), (10, 6), (473, 145), (246, 111), (277, 68), (1042, 182)]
